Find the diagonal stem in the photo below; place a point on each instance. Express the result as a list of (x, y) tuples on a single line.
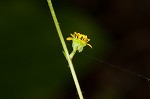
[(65, 50)]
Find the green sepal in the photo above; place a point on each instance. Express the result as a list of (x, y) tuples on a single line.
[(77, 44)]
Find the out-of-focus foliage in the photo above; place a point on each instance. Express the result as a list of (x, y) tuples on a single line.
[(32, 65)]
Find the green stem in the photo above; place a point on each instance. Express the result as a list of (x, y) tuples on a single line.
[(65, 50), (72, 54)]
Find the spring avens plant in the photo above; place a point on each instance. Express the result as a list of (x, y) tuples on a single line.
[(79, 41)]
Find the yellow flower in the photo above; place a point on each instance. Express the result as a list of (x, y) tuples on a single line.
[(79, 41)]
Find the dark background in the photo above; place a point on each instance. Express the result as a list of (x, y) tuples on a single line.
[(32, 65)]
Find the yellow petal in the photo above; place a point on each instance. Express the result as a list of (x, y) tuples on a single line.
[(72, 35), (89, 45), (69, 38), (87, 39)]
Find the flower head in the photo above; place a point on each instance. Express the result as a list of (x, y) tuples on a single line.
[(79, 41)]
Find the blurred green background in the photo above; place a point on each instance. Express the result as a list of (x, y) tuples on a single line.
[(32, 65)]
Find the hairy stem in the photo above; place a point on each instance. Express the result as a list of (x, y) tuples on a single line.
[(65, 50)]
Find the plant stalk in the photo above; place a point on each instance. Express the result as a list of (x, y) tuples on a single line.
[(65, 50)]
